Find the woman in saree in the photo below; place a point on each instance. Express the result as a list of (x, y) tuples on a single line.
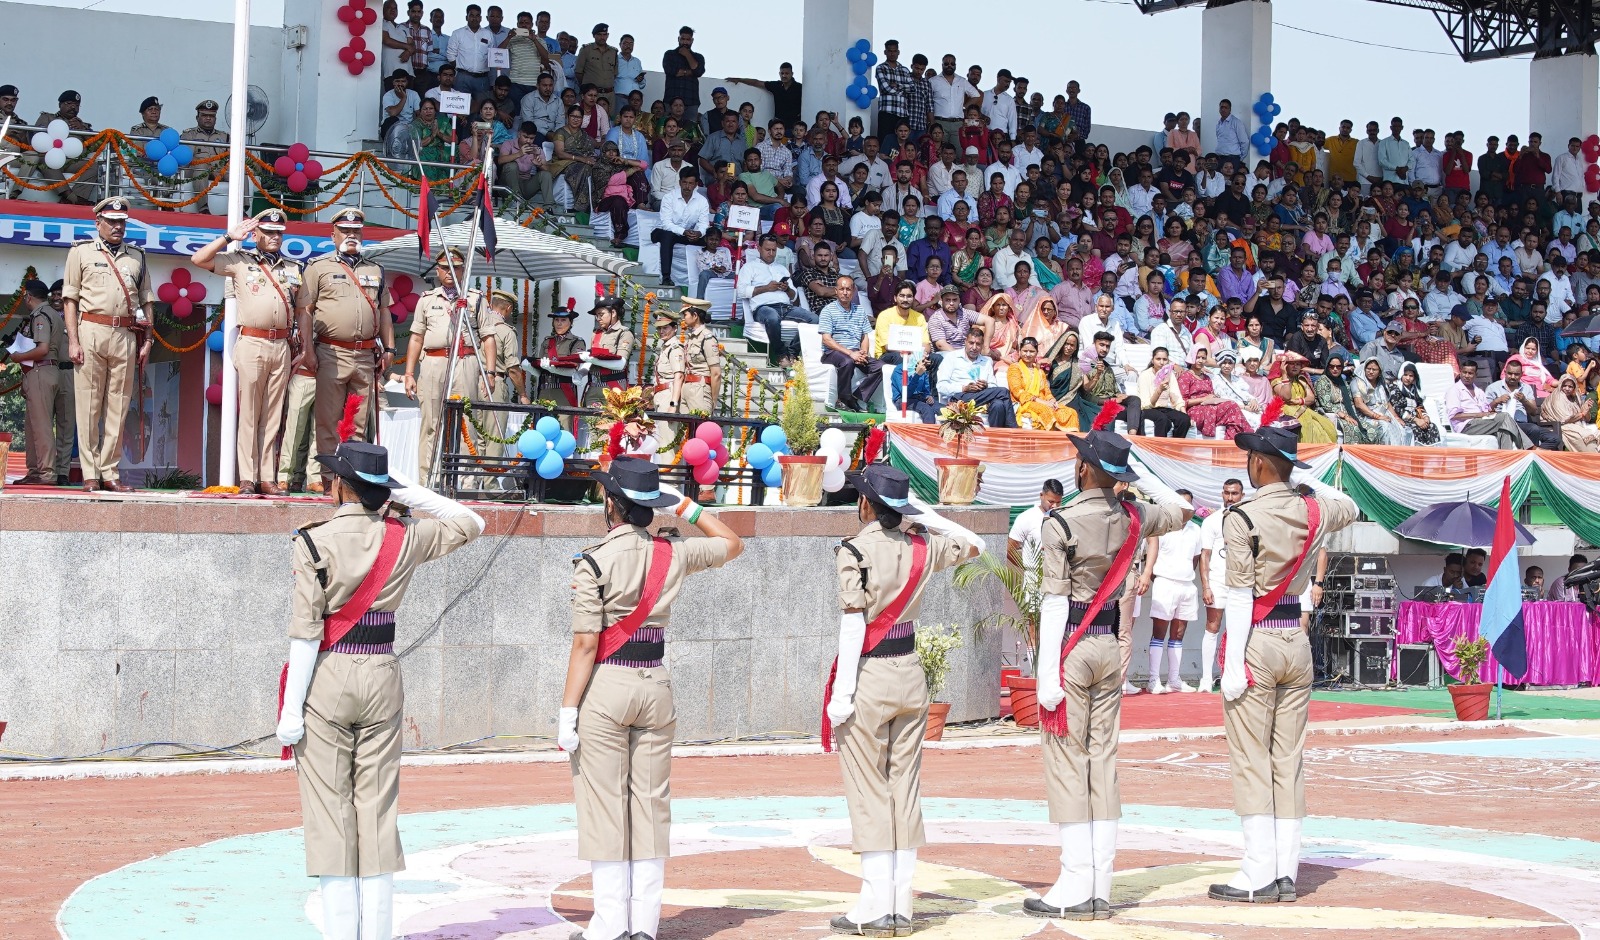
[(998, 233), (1043, 324), (1002, 330), (1380, 423), (959, 224), (1571, 415), (1254, 341), (1047, 272), (1230, 385), (577, 160), (1036, 406), (1209, 411), (1254, 379), (1334, 399), (436, 136), (1065, 371), (967, 261), (981, 292), (1300, 400)]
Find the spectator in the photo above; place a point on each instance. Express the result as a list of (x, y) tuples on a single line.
[(521, 166), (769, 291), (469, 50), (665, 173), (528, 55), (1572, 417), (597, 65), (150, 126), (1211, 413), (434, 138), (1034, 403), (439, 51), (846, 330), (488, 133), (818, 276), (1300, 400), (543, 108), (713, 262), (723, 148), (1522, 404), (412, 45), (684, 67), (684, 219), (630, 141), (785, 92), (967, 374), (1470, 410)]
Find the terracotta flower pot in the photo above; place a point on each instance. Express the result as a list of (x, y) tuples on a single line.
[(1471, 701), (958, 480), (802, 479), (937, 713), (1025, 702), (1006, 675)]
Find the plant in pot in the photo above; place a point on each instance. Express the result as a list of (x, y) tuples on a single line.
[(958, 475), (933, 649), (1022, 585), (802, 468), (1471, 696)]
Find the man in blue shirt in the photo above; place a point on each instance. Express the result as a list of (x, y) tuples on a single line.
[(931, 245), (846, 329)]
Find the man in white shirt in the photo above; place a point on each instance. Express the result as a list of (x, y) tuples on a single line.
[(664, 175), (1427, 165), (396, 40), (999, 107), (1566, 169), (1453, 577), (977, 181), (1029, 153), (1169, 580), (968, 375), (543, 108), (878, 174), (1459, 254), (1022, 544), (950, 93), (1142, 195), (1209, 183), (1561, 294), (1005, 261), (685, 216), (767, 288), (1006, 167), (469, 50), (1521, 402), (1368, 172), (1214, 577), (1440, 299)]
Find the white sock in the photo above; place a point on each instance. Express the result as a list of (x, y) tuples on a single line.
[(1259, 868), (341, 907), (1105, 856), (610, 901), (1287, 842), (1174, 662), (1208, 657), (877, 888), (1156, 646), (905, 872), (377, 907), (645, 878), (1076, 883)]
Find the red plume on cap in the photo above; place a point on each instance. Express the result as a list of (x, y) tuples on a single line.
[(869, 451), (1272, 412), (599, 289), (572, 304), (347, 424), (614, 441), (1107, 416)]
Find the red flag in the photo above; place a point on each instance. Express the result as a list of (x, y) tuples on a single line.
[(424, 220)]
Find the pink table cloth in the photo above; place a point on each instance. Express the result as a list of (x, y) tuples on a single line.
[(1563, 639)]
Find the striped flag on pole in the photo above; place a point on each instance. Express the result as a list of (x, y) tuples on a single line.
[(1501, 620)]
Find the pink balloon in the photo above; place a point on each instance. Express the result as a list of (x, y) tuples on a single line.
[(299, 153), (182, 308), (720, 455), (695, 452), (313, 170), (214, 394), (710, 432), (706, 474), (297, 182), (195, 291), (283, 166), (168, 293)]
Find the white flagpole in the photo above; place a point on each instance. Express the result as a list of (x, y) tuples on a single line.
[(227, 469)]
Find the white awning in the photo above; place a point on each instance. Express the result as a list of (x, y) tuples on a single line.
[(519, 253)]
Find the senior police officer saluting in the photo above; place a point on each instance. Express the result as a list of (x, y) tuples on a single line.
[(264, 285), (1266, 661), (346, 306), (342, 695), (1088, 546), (428, 354), (617, 714), (878, 697), (108, 304)]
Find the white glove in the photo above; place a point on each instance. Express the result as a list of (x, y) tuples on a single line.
[(1323, 490), (937, 523), (1237, 613), (852, 634), (1154, 487), (686, 509), (1053, 613), (544, 362), (567, 730), (292, 719), (440, 507), (585, 355)]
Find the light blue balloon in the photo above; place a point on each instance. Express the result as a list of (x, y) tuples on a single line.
[(773, 436), (773, 475), (167, 165), (550, 465), (532, 445), (153, 150), (549, 427), (170, 138), (759, 456), (183, 154), (214, 341), (566, 444)]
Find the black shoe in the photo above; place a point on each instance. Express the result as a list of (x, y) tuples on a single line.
[(902, 926), (1267, 895), (641, 936), (1036, 907), (62, 480), (1102, 909), (1286, 890), (884, 926)]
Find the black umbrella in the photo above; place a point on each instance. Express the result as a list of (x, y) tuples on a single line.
[(1583, 326), (1457, 523)]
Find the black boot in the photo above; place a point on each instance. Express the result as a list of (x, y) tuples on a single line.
[(1036, 907), (1267, 895), (1286, 891), (884, 926)]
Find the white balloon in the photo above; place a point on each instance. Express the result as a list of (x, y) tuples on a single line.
[(58, 129), (833, 479), (55, 159), (41, 141), (72, 147), (834, 459), (831, 439)]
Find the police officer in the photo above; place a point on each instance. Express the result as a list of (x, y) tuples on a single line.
[(346, 306), (151, 126), (877, 705), (46, 388), (559, 360), (1087, 550), (264, 284), (108, 307), (669, 361), (508, 380), (1271, 546), (610, 352), (342, 698), (428, 354), (207, 141), (67, 107), (617, 716), (702, 357), (297, 455)]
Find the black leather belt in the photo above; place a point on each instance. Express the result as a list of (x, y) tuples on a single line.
[(1109, 616), (610, 376), (1286, 611), (64, 366), (897, 646), (639, 651), (368, 634)]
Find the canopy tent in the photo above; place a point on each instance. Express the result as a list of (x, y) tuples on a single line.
[(519, 253)]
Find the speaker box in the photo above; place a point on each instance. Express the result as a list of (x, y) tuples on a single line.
[(1370, 659), (1417, 665)]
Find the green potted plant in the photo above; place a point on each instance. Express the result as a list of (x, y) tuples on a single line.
[(1023, 587), (1471, 696), (933, 649), (802, 468), (958, 475)]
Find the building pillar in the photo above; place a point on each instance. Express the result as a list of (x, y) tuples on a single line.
[(328, 108), (830, 28), (1235, 63), (1564, 98)]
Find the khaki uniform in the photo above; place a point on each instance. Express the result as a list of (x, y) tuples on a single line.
[(1266, 726), (349, 759), (146, 129), (109, 283), (346, 301), (435, 322), (621, 774), (296, 458), (198, 140), (561, 388), (597, 65), (693, 354), (47, 389), (880, 744), (264, 290), (1078, 543), (611, 351), (87, 186), (507, 356)]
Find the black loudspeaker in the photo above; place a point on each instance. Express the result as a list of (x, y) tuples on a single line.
[(1417, 665), (1370, 660)]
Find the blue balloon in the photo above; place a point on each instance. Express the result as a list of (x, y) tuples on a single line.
[(773, 475), (871, 92), (566, 444), (153, 150), (549, 427), (853, 55), (872, 59), (183, 154), (532, 445), (550, 465), (167, 165), (214, 341), (773, 436), (170, 138), (1264, 149), (759, 456), (1274, 109), (859, 66), (862, 101), (865, 45), (1260, 108), (1266, 97)]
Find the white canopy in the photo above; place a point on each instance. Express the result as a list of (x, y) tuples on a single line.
[(519, 253)]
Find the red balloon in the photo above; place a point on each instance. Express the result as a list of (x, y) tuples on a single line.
[(297, 182), (214, 394), (168, 293), (1592, 185), (706, 474), (695, 452), (182, 309), (357, 27), (347, 55), (365, 57), (398, 315), (347, 15), (356, 68), (299, 153), (369, 16), (313, 170), (195, 291), (357, 5), (358, 44), (400, 286), (180, 277)]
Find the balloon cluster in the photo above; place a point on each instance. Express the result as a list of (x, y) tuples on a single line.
[(57, 144), (706, 453), (403, 298), (1591, 154), (297, 168), (862, 59), (182, 293), (834, 446), (168, 153), (763, 455), (357, 16), (1266, 109), (548, 445)]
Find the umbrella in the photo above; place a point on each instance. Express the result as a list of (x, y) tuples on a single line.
[(1458, 523), (1583, 326), (519, 253)]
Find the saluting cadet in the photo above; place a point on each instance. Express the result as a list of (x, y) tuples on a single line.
[(877, 700), (617, 716), (346, 306), (108, 304), (46, 388), (342, 696), (428, 353), (264, 285), (1266, 660), (609, 353), (1088, 548)]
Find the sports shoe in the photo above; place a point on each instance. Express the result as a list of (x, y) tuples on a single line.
[(1207, 684), (1180, 686), (1128, 688), (1156, 688)]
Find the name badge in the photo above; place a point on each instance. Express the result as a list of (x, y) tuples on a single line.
[(367, 280)]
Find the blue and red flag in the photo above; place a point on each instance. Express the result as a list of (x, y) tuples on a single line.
[(486, 217), (1501, 620)]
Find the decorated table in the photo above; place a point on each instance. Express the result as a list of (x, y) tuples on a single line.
[(1563, 639)]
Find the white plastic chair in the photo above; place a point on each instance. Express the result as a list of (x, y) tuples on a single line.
[(1435, 409)]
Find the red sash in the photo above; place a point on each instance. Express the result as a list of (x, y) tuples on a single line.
[(1269, 600), (339, 623), (613, 637), (879, 627), (1055, 722)]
